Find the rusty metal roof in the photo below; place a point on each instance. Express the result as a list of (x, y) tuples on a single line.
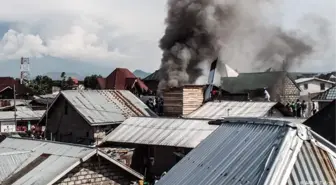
[(222, 109), (99, 107), (252, 151), (177, 132)]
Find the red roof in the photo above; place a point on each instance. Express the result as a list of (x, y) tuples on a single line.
[(101, 82), (75, 80), (9, 82), (121, 79)]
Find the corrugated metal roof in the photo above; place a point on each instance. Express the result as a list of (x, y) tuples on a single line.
[(222, 109), (161, 131), (18, 153), (257, 152), (15, 154), (21, 115), (327, 95), (106, 106), (233, 154), (313, 166)]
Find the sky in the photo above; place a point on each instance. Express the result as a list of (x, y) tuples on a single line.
[(91, 37)]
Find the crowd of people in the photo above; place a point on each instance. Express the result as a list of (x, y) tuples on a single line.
[(156, 105), (298, 109)]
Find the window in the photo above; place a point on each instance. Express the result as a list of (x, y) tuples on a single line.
[(305, 86), (322, 85), (66, 108)]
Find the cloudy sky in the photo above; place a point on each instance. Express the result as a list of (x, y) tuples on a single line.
[(89, 36)]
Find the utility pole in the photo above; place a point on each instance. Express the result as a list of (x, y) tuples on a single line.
[(46, 121), (15, 107)]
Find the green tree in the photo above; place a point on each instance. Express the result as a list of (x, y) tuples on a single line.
[(91, 81), (41, 85), (63, 81)]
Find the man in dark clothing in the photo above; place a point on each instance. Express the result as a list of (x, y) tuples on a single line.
[(298, 108), (150, 104)]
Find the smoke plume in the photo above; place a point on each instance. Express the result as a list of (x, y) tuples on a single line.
[(237, 31)]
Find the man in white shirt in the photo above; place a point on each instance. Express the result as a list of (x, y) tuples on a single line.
[(267, 96)]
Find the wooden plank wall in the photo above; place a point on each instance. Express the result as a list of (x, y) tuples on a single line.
[(173, 102), (192, 99)]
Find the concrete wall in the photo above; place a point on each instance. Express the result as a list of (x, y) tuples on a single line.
[(67, 127), (97, 171), (313, 87)]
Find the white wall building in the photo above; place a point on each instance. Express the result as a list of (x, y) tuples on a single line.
[(313, 85)]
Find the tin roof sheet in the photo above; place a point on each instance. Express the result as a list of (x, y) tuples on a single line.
[(256, 152), (328, 95), (21, 115), (161, 131), (18, 153), (106, 106), (233, 154), (222, 109), (313, 166)]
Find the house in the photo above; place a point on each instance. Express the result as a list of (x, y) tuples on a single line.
[(313, 85), (254, 151), (122, 79), (152, 81), (85, 116), (28, 162), (279, 85), (163, 140), (324, 98), (226, 109), (7, 88), (8, 104), (43, 101), (26, 120)]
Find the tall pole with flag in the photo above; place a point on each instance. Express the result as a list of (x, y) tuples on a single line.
[(210, 80)]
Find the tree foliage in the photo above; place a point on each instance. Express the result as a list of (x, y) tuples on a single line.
[(91, 81), (41, 85), (66, 82)]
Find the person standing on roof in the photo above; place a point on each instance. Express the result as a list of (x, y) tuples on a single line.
[(267, 96)]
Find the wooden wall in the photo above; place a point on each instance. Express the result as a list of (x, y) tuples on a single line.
[(182, 101), (192, 99)]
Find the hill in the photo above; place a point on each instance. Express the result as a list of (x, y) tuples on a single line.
[(140, 74)]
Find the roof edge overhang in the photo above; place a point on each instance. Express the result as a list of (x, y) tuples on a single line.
[(314, 100)]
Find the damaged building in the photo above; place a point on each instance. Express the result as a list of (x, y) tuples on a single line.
[(279, 85)]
